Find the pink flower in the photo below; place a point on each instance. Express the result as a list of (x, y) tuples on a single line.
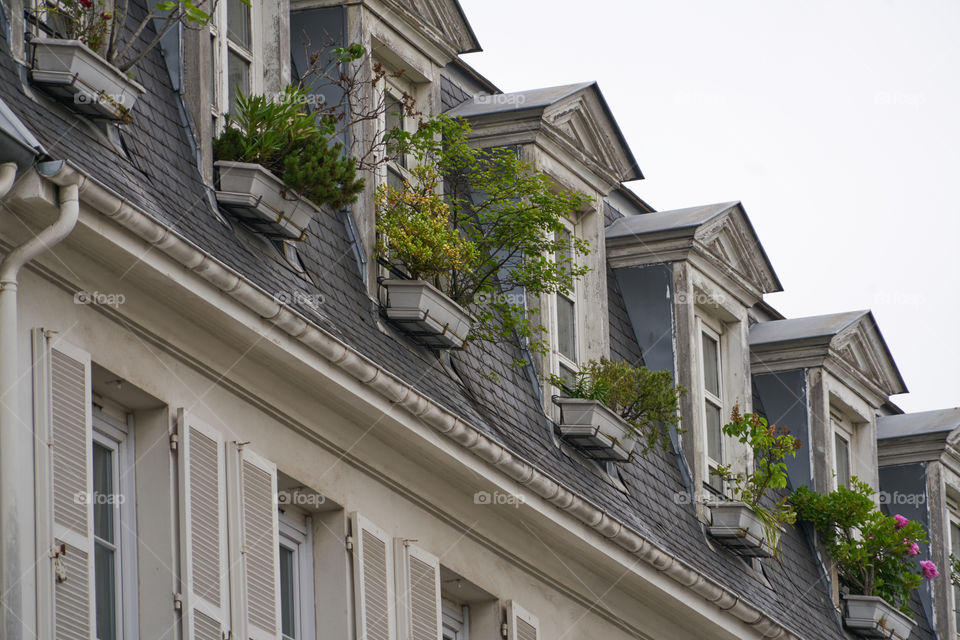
[(86, 3), (901, 521), (929, 569), (913, 547)]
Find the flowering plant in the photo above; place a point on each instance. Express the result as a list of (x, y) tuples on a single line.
[(874, 553), (770, 445)]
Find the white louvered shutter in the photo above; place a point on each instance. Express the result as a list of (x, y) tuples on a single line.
[(71, 461), (203, 530), (521, 624), (373, 580), (259, 543), (419, 614)]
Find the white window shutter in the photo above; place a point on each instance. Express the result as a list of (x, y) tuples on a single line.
[(521, 624), (256, 541), (419, 614), (372, 580), (70, 430), (203, 530)]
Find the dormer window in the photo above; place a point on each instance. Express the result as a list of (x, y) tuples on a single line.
[(235, 50), (712, 400), (564, 327), (842, 437)]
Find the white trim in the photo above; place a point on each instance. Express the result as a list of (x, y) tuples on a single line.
[(842, 427), (707, 328)]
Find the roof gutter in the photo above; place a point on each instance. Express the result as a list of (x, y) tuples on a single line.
[(418, 404)]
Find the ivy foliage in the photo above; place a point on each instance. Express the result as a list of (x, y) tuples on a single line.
[(496, 238), (873, 552), (292, 143), (770, 446), (646, 400)]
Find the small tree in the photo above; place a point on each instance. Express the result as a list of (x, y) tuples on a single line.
[(874, 553), (646, 400), (770, 447), (509, 214)]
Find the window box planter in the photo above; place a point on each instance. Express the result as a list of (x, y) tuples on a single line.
[(873, 617), (73, 73), (737, 526), (427, 313), (593, 428), (263, 201)]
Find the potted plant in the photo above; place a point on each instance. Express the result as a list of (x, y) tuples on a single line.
[(276, 164), (747, 524), (874, 555), (491, 238), (613, 405), (84, 60)]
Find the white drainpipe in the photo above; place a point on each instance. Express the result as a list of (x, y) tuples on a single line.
[(17, 563)]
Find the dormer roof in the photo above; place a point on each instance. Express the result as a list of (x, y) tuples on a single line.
[(720, 234), (920, 423), (442, 20), (575, 117), (850, 343)]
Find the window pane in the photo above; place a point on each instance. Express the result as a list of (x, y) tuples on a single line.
[(394, 179), (565, 254), (288, 592), (568, 376), (238, 77), (711, 365), (393, 119), (238, 23), (714, 435), (103, 499), (842, 448), (105, 579), (566, 328)]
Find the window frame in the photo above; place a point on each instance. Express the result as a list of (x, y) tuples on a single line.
[(953, 521), (118, 436), (558, 360), (456, 620), (843, 428), (298, 538), (714, 330), (222, 46)]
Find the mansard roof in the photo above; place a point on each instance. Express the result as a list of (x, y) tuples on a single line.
[(850, 340), (575, 115), (721, 234)]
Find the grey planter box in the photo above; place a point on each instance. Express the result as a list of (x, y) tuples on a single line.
[(737, 526), (873, 617), (594, 429), (263, 201), (427, 313), (72, 72)]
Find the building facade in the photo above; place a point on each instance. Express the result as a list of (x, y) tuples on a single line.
[(210, 433)]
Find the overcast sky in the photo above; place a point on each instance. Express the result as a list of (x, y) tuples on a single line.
[(837, 124)]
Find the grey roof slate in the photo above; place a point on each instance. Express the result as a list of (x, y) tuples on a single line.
[(810, 328), (684, 221), (530, 99), (921, 422), (158, 174)]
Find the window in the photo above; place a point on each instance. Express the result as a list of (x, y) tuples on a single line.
[(565, 318), (234, 53), (296, 579), (711, 366), (456, 620), (955, 551), (114, 530), (394, 120), (842, 437)]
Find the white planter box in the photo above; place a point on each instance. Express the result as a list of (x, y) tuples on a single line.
[(873, 617), (737, 526), (594, 429), (69, 70), (263, 201), (427, 313)]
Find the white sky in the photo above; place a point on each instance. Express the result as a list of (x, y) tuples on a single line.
[(837, 124)]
